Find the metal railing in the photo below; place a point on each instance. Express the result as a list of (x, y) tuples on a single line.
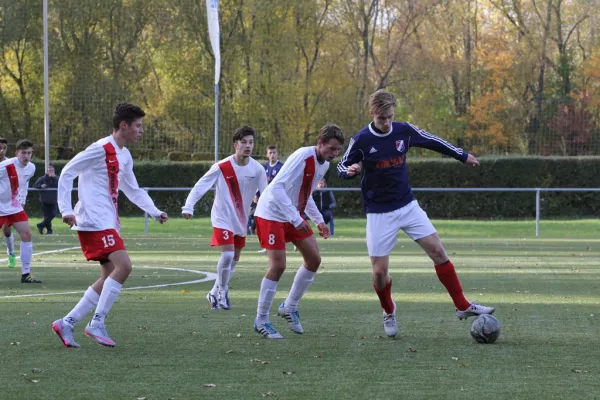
[(537, 192)]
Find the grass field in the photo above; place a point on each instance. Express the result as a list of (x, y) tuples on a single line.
[(170, 345)]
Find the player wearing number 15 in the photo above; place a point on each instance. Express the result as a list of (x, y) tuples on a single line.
[(236, 179), (103, 168)]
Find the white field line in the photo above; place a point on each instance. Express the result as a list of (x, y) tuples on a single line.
[(210, 276), (45, 252)]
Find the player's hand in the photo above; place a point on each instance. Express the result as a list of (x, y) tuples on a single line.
[(354, 169), (70, 220), (472, 161), (323, 230), (186, 215), (162, 218), (44, 186), (303, 227)]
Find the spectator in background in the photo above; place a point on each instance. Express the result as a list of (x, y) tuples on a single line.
[(324, 200), (48, 199), (273, 166)]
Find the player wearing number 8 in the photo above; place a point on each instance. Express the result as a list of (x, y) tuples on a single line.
[(103, 169), (279, 221), (236, 179)]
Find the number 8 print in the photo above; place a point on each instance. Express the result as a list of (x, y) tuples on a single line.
[(271, 239)]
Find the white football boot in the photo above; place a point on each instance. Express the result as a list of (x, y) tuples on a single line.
[(293, 318), (267, 330), (390, 325), (99, 334), (474, 310), (65, 332)]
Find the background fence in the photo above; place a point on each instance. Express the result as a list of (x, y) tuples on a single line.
[(205, 203), (289, 67)]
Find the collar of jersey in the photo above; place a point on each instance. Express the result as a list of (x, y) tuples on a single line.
[(118, 149), (380, 134)]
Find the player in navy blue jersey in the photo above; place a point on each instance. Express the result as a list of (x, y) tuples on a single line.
[(273, 166), (379, 150)]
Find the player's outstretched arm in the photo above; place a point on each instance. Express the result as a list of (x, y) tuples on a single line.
[(426, 140), (203, 185), (138, 196)]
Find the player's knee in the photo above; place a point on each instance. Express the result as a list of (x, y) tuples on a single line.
[(124, 267), (380, 272), (315, 262), (25, 236), (380, 268), (438, 254), (227, 257), (275, 272)]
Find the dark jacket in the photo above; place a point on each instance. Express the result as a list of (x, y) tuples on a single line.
[(324, 199), (47, 196)]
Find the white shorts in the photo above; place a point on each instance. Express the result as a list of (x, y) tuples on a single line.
[(382, 229)]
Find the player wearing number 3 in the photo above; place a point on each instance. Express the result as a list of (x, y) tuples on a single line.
[(236, 179), (103, 168), (279, 221)]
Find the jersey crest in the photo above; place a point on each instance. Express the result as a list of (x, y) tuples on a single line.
[(400, 145)]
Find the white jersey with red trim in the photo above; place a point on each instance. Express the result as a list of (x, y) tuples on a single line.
[(14, 184), (235, 187), (103, 169), (290, 193)]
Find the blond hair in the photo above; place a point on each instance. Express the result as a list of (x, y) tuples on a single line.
[(380, 100)]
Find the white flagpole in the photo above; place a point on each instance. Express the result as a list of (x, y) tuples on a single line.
[(212, 7), (46, 113)]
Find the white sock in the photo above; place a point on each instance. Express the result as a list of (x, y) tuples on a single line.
[(86, 304), (10, 244), (302, 281), (26, 255), (233, 265), (109, 295), (223, 271), (268, 288)]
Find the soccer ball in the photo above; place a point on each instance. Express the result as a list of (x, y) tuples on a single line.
[(485, 329)]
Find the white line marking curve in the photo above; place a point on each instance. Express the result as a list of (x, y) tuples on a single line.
[(210, 276)]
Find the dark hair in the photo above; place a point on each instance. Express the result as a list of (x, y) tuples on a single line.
[(126, 112), (2, 140), (331, 131), (243, 131), (272, 147), (24, 144)]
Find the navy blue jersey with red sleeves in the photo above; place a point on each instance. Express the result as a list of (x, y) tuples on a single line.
[(385, 186)]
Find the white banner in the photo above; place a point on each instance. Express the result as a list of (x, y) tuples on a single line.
[(212, 7)]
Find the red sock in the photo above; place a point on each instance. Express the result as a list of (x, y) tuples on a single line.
[(385, 297), (447, 275)]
